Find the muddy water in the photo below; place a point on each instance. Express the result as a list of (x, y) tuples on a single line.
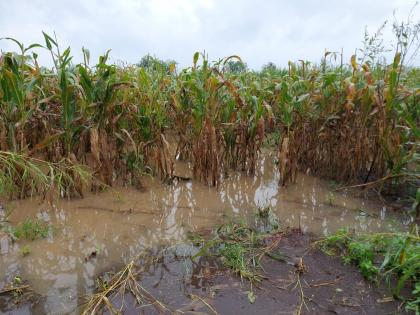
[(101, 231)]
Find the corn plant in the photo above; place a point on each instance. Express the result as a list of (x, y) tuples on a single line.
[(354, 123)]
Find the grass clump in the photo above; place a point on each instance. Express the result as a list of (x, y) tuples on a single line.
[(31, 230), (25, 250), (22, 176), (390, 257), (238, 246), (241, 247), (234, 258)]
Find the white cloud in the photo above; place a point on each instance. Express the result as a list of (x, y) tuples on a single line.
[(259, 31)]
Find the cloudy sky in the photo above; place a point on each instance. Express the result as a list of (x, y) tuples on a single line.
[(257, 30)]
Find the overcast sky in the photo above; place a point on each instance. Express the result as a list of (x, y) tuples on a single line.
[(258, 31)]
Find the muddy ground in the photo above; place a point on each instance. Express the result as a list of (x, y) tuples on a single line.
[(102, 232), (205, 287)]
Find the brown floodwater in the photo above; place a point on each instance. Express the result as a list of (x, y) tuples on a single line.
[(104, 230)]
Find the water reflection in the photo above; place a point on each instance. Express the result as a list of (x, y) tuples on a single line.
[(99, 232)]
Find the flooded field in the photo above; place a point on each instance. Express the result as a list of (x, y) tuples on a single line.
[(104, 230), (95, 202)]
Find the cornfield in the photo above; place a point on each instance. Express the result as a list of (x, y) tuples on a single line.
[(355, 123)]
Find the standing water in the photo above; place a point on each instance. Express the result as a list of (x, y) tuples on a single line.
[(96, 233)]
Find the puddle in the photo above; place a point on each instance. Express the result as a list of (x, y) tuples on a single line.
[(101, 231), (203, 286)]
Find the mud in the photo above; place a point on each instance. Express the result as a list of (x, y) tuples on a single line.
[(101, 231), (204, 287)]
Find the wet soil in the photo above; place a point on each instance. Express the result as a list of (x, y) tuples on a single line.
[(103, 231), (205, 287)]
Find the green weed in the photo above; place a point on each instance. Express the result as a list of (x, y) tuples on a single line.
[(240, 247), (25, 250), (390, 257), (31, 230)]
